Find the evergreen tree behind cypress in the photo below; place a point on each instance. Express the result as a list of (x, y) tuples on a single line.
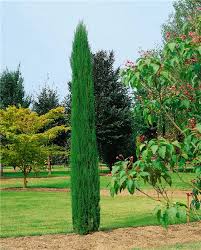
[(84, 159), (113, 110), (46, 100), (12, 89)]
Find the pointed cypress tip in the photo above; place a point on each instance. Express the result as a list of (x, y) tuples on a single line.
[(81, 27)]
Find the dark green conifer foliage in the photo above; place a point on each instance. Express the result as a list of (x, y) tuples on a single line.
[(84, 157), (12, 89)]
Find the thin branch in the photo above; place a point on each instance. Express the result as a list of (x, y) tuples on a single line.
[(173, 122), (191, 185), (148, 195)]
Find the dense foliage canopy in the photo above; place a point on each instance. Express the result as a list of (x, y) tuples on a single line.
[(167, 89), (46, 100), (12, 89), (113, 115)]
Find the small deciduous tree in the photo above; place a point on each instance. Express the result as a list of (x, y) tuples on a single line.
[(84, 157), (46, 100), (24, 145), (171, 89)]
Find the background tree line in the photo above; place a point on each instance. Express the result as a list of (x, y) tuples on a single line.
[(117, 125), (112, 107)]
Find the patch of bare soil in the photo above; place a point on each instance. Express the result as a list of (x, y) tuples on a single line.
[(118, 239)]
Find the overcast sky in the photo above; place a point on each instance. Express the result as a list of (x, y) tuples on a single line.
[(39, 34)]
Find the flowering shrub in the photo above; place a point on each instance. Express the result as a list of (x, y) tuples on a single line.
[(167, 88)]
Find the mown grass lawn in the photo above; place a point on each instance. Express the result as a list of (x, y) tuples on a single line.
[(57, 171), (34, 213), (42, 180), (47, 182), (183, 246)]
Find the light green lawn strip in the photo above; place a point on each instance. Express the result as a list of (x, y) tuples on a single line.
[(57, 171), (178, 246), (56, 182), (64, 182), (34, 213)]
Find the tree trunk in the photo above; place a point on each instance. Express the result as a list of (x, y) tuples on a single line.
[(49, 166), (25, 181), (25, 176), (1, 169), (110, 167)]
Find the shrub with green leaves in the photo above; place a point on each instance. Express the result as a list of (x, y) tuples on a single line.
[(168, 93), (156, 158)]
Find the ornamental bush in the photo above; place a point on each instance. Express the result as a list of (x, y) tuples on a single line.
[(167, 91)]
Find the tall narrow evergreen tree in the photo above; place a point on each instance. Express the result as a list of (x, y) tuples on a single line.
[(84, 157)]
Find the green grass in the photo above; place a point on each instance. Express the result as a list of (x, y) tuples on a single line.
[(183, 246), (48, 182), (42, 174), (35, 213), (63, 181), (57, 171)]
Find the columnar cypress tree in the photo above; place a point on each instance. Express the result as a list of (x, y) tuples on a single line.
[(84, 157)]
